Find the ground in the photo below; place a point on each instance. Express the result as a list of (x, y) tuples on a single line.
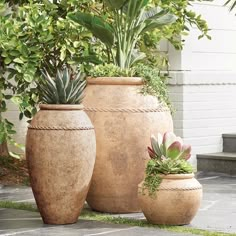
[(13, 171), (216, 216)]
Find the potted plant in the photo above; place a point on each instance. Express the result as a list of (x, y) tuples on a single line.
[(119, 111), (169, 194), (61, 149)]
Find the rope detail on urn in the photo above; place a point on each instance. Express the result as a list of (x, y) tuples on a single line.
[(181, 189), (127, 110), (59, 128)]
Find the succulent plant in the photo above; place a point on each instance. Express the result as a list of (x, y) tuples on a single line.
[(168, 156), (168, 146), (65, 88)]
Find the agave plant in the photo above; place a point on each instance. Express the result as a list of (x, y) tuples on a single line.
[(65, 88), (132, 18), (168, 146)]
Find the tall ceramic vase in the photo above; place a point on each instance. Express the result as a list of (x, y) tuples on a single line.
[(123, 119), (60, 151)]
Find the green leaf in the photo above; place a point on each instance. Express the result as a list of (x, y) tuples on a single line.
[(136, 56), (8, 122), (158, 22), (18, 60), (155, 146), (3, 106), (34, 111), (100, 29), (153, 13), (63, 53), (174, 150), (7, 60), (66, 78), (11, 132), (60, 88), (28, 78), (8, 97), (21, 115), (27, 114), (116, 4)]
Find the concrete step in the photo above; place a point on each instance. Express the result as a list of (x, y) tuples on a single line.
[(229, 142), (222, 162)]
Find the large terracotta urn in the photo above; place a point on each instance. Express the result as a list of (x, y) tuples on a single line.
[(176, 201), (124, 120), (60, 151)]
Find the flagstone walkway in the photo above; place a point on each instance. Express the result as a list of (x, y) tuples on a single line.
[(217, 213)]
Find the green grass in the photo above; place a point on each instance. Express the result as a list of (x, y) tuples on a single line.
[(87, 214), (18, 206)]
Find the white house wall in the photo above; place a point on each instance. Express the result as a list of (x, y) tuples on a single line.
[(203, 81)]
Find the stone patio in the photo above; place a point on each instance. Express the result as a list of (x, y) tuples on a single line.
[(217, 213)]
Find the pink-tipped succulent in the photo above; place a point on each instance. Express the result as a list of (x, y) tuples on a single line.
[(168, 146)]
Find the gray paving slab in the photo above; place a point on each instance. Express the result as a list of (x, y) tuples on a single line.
[(218, 209), (18, 222), (217, 213), (16, 194)]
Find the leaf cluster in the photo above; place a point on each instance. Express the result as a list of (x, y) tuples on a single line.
[(155, 168), (154, 82), (175, 33), (65, 88), (34, 35), (121, 31)]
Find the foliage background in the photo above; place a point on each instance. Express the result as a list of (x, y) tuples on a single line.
[(36, 34)]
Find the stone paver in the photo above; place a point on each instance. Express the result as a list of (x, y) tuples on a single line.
[(18, 222), (16, 194), (217, 213), (218, 210)]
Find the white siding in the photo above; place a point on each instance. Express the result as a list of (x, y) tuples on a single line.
[(204, 111), (203, 83), (218, 54)]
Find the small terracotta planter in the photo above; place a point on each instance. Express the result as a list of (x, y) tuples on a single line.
[(123, 119), (176, 202), (60, 151)]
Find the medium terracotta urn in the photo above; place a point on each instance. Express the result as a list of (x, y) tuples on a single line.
[(124, 120), (176, 201), (60, 151)]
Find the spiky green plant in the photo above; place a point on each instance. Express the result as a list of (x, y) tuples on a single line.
[(65, 88)]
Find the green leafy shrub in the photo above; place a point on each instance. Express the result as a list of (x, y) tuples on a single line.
[(35, 35)]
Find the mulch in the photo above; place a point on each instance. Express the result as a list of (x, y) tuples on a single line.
[(13, 171)]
